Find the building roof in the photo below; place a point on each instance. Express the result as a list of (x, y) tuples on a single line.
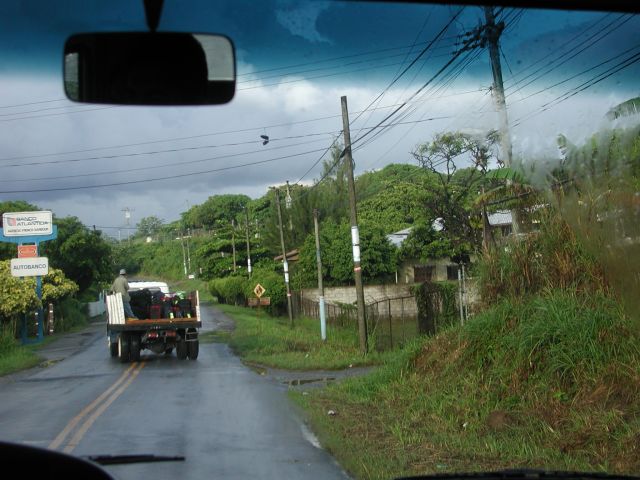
[(499, 218), (396, 238)]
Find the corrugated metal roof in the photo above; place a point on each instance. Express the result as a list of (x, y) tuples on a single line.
[(500, 218), (396, 238)]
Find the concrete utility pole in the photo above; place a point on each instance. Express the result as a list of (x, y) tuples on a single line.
[(285, 263), (492, 36), (246, 224), (355, 234), (127, 217), (233, 243), (323, 319), (184, 254), (188, 250), (288, 202)]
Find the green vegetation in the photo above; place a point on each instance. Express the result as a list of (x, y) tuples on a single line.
[(551, 382), (548, 375), (261, 339), (13, 356)]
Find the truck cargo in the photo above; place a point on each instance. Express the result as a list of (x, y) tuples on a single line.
[(165, 321)]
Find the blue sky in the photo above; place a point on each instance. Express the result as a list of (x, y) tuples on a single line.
[(295, 60)]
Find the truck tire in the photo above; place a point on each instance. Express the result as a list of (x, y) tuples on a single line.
[(113, 348), (134, 348), (123, 347), (193, 348), (181, 349)]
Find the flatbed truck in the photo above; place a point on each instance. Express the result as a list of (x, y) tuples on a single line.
[(127, 337)]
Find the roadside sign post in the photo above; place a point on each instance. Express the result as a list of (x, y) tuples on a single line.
[(28, 230), (259, 301)]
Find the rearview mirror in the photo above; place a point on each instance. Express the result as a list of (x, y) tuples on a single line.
[(149, 68)]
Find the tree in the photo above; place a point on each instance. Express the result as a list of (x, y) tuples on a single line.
[(452, 193), (18, 296), (149, 226), (378, 256), (216, 211), (84, 256)]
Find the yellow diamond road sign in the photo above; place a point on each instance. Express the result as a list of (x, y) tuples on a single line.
[(259, 290)]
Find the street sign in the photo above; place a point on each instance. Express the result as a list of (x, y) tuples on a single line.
[(259, 302), (29, 267), (27, 251), (20, 224), (259, 290)]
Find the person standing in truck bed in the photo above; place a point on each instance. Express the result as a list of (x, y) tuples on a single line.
[(120, 285)]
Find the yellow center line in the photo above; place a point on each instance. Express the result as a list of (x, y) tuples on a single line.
[(75, 440), (60, 438)]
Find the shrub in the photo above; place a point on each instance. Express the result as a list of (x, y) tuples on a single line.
[(229, 289)]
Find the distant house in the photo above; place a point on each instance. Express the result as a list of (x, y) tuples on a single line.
[(417, 271), (292, 256), (500, 223)]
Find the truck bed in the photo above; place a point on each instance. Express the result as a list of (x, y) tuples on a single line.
[(156, 322), (116, 320)]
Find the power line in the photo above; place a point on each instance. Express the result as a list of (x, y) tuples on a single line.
[(173, 164), (583, 86), (332, 59), (171, 150), (192, 137), (171, 177), (595, 38), (578, 74), (319, 69)]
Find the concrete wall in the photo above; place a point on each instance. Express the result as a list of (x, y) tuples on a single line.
[(372, 294)]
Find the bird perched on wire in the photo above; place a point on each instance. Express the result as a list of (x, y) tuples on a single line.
[(265, 139)]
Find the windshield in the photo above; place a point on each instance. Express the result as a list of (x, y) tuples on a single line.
[(408, 245)]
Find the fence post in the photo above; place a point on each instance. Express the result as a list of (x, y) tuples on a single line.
[(390, 324), (460, 296), (402, 319)]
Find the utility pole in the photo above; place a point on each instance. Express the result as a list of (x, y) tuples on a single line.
[(284, 258), (288, 203), (184, 257), (355, 234), (246, 216), (233, 243), (323, 320), (127, 217), (492, 35), (492, 32), (188, 250)]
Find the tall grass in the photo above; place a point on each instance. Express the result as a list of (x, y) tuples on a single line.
[(544, 260)]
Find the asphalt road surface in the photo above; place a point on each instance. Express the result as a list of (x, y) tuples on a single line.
[(227, 420)]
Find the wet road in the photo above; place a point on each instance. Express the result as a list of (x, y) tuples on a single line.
[(227, 420)]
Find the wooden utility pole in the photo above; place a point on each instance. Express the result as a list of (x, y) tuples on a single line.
[(285, 263), (233, 243), (355, 234), (323, 319), (492, 36), (246, 217)]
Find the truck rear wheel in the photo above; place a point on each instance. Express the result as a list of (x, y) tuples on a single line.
[(123, 347), (134, 348), (193, 347), (113, 348), (181, 349)]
